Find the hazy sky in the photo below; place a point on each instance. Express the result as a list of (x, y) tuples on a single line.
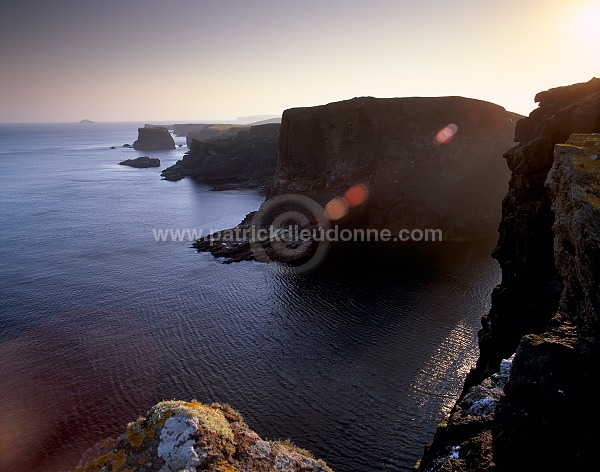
[(190, 60)]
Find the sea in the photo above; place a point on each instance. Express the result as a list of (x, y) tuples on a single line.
[(100, 318)]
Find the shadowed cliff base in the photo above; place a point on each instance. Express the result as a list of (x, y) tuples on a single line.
[(546, 311)]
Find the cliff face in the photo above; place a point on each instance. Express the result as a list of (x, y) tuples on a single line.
[(246, 159), (427, 162), (547, 307), (154, 139), (189, 436)]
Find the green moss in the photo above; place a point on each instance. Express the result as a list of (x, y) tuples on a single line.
[(213, 419), (288, 444)]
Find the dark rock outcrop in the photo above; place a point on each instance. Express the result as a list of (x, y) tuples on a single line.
[(547, 307), (141, 162), (427, 162), (189, 436), (215, 130), (154, 139), (245, 160), (183, 129)]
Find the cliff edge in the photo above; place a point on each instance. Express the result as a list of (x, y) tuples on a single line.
[(545, 314)]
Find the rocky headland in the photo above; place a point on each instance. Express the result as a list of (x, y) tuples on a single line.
[(154, 138), (388, 164), (426, 162), (177, 436), (142, 162), (545, 314), (245, 159)]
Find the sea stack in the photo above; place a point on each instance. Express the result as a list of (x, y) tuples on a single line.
[(156, 138)]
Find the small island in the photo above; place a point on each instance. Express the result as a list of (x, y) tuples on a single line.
[(87, 122), (142, 162)]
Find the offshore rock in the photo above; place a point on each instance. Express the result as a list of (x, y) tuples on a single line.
[(245, 160), (426, 162), (154, 138), (141, 162), (189, 436)]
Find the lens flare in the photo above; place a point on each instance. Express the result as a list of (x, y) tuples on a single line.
[(445, 135), (336, 208), (356, 195)]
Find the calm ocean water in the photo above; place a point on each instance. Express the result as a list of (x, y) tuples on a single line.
[(98, 320)]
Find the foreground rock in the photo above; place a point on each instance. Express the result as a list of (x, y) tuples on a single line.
[(155, 138), (189, 436), (547, 308), (245, 160), (427, 162), (141, 162)]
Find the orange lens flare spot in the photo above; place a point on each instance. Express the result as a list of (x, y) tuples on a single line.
[(445, 135), (356, 195), (336, 208)]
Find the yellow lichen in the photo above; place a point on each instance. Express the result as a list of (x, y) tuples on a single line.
[(136, 434), (225, 467), (212, 419), (111, 461), (143, 428)]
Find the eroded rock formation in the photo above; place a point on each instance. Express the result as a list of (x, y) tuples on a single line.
[(154, 138), (547, 307)]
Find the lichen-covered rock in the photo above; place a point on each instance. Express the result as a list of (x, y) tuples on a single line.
[(179, 436), (574, 187), (427, 162), (154, 138)]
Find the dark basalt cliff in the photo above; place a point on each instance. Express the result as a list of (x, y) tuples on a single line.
[(545, 314), (246, 159), (427, 162), (154, 138)]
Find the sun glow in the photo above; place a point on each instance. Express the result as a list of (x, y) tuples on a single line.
[(586, 26)]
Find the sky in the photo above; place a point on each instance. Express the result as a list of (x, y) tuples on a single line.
[(198, 60)]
